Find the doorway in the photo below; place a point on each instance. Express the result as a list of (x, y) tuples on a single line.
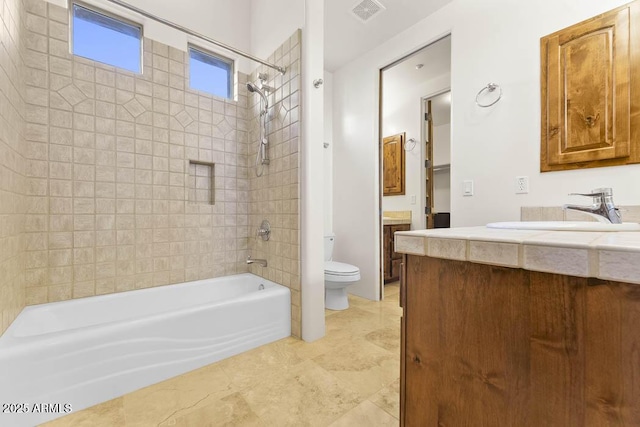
[(436, 133), (415, 147)]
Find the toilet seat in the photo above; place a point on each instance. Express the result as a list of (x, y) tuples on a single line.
[(340, 272)]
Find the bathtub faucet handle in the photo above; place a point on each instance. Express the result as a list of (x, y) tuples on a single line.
[(265, 230)]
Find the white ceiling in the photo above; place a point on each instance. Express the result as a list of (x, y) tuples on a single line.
[(346, 38)]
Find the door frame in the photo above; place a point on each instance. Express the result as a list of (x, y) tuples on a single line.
[(380, 152)]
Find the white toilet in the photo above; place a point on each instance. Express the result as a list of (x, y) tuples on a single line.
[(337, 276)]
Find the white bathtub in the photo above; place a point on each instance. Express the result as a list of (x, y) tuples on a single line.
[(83, 352)]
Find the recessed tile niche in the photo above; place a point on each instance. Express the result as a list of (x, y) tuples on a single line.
[(200, 182)]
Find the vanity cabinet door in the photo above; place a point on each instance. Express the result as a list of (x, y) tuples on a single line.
[(589, 80), (387, 245), (392, 259), (394, 254)]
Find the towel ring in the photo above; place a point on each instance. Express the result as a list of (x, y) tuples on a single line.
[(411, 141), (491, 87)]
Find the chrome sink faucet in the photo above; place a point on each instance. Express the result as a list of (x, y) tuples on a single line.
[(262, 262), (602, 208)]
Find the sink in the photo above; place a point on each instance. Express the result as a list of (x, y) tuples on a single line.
[(565, 226)]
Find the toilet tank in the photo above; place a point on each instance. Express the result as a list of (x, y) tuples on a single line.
[(328, 246)]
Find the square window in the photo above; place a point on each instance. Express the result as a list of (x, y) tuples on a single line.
[(210, 73), (105, 39)]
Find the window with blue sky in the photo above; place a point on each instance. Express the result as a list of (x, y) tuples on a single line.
[(210, 73), (105, 39)]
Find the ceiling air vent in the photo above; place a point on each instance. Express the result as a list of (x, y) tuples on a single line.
[(366, 9)]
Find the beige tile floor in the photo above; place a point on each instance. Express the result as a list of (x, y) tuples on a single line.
[(348, 378)]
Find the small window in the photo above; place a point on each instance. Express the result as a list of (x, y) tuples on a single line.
[(210, 73), (106, 39)]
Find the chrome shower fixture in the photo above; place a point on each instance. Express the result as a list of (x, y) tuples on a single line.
[(255, 89), (266, 88), (263, 78), (262, 157)]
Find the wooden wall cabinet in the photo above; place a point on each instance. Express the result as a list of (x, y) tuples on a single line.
[(391, 258), (492, 346), (590, 92), (393, 165)]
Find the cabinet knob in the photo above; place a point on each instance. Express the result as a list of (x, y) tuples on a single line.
[(591, 120)]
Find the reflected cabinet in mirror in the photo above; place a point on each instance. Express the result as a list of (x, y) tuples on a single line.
[(393, 165), (590, 86)]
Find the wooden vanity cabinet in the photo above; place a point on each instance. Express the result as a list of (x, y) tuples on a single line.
[(391, 259), (492, 346)]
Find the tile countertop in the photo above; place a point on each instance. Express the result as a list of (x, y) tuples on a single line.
[(396, 217), (609, 256), (395, 221)]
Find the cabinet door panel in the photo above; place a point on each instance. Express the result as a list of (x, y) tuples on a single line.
[(393, 165), (589, 76)]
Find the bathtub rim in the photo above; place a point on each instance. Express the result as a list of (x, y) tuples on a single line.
[(11, 343)]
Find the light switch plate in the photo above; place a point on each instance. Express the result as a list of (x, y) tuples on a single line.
[(413, 199), (467, 187)]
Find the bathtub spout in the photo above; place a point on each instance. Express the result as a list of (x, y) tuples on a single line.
[(262, 262)]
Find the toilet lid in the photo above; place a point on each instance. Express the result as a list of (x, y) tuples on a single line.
[(340, 268)]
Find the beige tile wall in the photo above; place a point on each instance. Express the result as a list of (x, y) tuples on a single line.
[(108, 187), (275, 195), (12, 163)]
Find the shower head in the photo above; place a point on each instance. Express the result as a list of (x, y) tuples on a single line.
[(255, 89)]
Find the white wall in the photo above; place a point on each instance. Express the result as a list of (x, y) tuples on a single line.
[(272, 21), (442, 191), (494, 41), (312, 173), (401, 112), (493, 146), (442, 144), (328, 152)]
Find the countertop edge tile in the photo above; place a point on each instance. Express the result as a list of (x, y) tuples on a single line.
[(455, 249), (495, 253), (557, 260), (621, 266), (607, 256), (413, 245)]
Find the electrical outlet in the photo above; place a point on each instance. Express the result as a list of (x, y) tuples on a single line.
[(413, 199), (467, 187), (522, 184)]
